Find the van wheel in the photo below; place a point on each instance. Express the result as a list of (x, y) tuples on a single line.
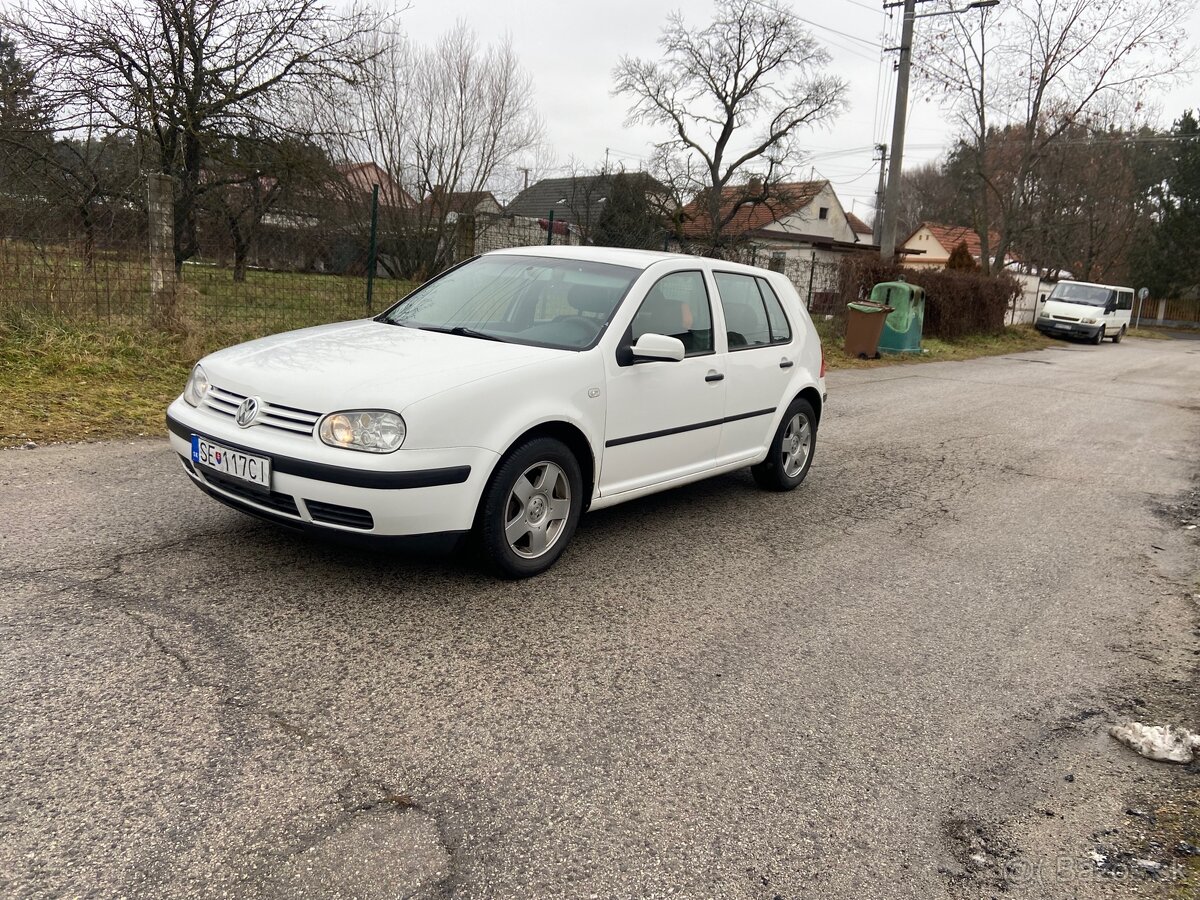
[(1099, 336), (791, 452), (1120, 334), (531, 507)]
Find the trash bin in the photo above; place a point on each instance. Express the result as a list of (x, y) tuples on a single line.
[(903, 326), (864, 325)]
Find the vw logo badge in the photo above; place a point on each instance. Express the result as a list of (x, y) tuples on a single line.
[(247, 412)]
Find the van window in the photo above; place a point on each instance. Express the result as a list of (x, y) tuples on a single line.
[(1087, 294), (1124, 299)]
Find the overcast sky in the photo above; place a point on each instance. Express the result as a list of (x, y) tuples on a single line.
[(570, 49)]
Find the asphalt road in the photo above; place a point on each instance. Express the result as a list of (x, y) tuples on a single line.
[(871, 687)]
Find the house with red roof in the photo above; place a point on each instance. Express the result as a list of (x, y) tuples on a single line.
[(930, 245), (797, 220)]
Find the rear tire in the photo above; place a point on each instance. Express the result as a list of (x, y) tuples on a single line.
[(1099, 336), (791, 453), (531, 507), (1120, 334)]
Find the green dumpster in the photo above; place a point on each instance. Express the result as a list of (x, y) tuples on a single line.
[(902, 329)]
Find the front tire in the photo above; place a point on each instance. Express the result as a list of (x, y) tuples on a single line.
[(1099, 336), (792, 449), (531, 507)]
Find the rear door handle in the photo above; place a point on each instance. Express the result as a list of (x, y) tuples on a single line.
[(714, 375), (786, 363)]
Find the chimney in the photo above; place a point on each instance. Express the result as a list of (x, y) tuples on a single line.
[(755, 187)]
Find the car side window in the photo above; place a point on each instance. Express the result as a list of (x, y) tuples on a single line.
[(677, 306), (1125, 300), (781, 331), (746, 322)]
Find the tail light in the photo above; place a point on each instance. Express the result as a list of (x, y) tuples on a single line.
[(822, 362)]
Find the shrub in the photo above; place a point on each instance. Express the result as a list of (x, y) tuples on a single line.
[(957, 303)]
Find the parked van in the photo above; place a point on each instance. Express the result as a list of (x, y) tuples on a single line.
[(1083, 309)]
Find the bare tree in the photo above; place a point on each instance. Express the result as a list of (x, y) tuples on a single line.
[(187, 76), (444, 122), (734, 94), (1025, 73)]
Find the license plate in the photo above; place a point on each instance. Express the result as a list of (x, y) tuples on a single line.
[(1061, 325), (254, 470)]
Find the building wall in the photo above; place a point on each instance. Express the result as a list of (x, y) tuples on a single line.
[(809, 221), (934, 256)]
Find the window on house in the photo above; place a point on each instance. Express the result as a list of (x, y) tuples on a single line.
[(823, 213)]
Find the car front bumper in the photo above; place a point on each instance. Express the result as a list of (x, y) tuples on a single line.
[(406, 493), (1074, 329)]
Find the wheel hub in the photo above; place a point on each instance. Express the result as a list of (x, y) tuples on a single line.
[(537, 509)]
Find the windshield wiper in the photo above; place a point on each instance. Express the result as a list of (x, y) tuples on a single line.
[(462, 331)]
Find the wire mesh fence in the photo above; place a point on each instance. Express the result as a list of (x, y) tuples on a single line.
[(321, 257)]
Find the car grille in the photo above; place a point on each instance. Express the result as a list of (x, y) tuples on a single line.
[(332, 514), (270, 415), (281, 503), (1065, 318)]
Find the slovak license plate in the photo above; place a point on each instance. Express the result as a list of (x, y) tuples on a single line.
[(1061, 325), (254, 470)]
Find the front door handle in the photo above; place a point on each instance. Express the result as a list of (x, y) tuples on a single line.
[(786, 363), (714, 375)]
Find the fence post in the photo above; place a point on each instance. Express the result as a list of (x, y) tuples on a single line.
[(372, 250), (550, 229), (160, 209), (812, 268), (1162, 310)]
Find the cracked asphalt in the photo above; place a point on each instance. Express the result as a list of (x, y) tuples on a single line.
[(871, 687)]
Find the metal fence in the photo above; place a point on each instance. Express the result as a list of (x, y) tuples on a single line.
[(111, 257)]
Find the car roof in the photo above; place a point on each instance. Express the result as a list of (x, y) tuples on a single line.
[(619, 256), (1111, 287)]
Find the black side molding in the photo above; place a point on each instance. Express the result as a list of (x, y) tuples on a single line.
[(650, 435), (365, 478)]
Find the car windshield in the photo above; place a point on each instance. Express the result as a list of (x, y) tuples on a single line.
[(1087, 294), (547, 302)]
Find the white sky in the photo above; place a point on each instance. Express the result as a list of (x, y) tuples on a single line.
[(570, 49)]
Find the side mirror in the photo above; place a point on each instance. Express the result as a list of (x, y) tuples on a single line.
[(1110, 307), (658, 346)]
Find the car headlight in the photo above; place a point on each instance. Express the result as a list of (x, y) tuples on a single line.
[(1089, 321), (371, 430), (197, 386)]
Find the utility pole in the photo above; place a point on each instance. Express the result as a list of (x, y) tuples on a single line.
[(887, 235), (887, 239), (877, 224)]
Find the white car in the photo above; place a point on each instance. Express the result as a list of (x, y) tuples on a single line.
[(509, 395)]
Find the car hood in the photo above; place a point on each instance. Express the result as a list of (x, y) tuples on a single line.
[(362, 365), (1072, 310)]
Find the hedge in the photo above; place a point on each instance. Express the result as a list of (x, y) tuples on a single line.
[(957, 303)]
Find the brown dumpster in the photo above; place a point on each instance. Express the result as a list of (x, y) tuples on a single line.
[(864, 325)]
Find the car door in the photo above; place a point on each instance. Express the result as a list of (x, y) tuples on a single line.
[(759, 362), (663, 416)]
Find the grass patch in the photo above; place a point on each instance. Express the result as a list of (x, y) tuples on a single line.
[(1015, 339), (81, 382), (78, 361)]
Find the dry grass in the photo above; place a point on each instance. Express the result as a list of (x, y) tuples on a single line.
[(1015, 339)]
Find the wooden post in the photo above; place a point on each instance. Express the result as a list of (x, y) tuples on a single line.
[(160, 206)]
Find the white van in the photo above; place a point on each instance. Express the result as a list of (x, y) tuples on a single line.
[(1083, 309)]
